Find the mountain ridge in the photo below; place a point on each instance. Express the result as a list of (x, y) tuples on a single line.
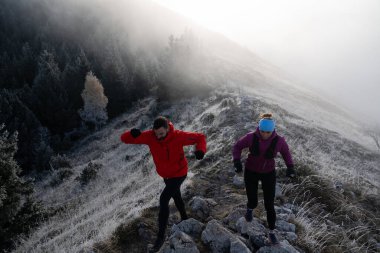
[(131, 185)]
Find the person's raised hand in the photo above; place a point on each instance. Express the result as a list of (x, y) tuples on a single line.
[(238, 166), (199, 154), (135, 132), (290, 172)]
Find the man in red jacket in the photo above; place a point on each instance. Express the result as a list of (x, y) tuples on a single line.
[(166, 146)]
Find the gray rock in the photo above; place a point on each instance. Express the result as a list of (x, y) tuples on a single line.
[(278, 193), (238, 181), (217, 237), (245, 228), (190, 226), (258, 240), (254, 230), (285, 216), (282, 210), (231, 172), (179, 242), (292, 207), (233, 217), (238, 246), (290, 236), (282, 225), (284, 247), (201, 207)]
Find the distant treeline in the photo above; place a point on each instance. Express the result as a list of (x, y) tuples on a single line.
[(46, 50)]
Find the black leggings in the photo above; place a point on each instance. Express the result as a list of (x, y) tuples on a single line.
[(171, 190), (268, 183)]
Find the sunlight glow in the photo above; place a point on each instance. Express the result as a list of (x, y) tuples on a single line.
[(331, 45)]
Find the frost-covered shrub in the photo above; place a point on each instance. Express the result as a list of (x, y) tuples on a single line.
[(60, 176), (60, 161), (227, 102), (207, 118), (89, 173), (327, 220)]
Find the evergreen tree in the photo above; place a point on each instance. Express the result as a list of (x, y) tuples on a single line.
[(116, 79), (32, 150), (52, 102), (12, 191)]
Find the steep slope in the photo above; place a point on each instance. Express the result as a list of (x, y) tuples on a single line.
[(102, 183), (342, 172)]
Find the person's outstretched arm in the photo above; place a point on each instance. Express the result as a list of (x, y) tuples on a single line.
[(135, 136), (197, 139)]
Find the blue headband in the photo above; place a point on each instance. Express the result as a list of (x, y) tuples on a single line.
[(266, 125)]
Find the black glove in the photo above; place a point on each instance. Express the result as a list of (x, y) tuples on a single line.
[(238, 166), (290, 172), (135, 132), (199, 154)]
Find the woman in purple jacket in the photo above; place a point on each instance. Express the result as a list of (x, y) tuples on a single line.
[(263, 144)]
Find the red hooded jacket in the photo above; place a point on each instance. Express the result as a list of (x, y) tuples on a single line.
[(168, 155)]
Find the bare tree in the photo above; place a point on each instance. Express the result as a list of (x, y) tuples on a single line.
[(95, 102)]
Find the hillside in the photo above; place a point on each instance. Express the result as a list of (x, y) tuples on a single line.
[(84, 191), (334, 197)]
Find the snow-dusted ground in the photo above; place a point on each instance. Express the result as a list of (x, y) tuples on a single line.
[(319, 134), (269, 84), (127, 182), (123, 188)]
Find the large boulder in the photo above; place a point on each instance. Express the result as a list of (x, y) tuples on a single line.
[(238, 246), (244, 227), (219, 239), (190, 226), (179, 242), (282, 225), (290, 236), (233, 217), (283, 247), (201, 207), (254, 230)]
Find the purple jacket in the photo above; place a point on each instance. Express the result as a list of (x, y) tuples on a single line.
[(259, 163)]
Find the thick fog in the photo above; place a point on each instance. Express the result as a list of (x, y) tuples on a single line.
[(332, 46)]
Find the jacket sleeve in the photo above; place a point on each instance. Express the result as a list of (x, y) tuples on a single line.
[(242, 143), (191, 138), (144, 138), (285, 153)]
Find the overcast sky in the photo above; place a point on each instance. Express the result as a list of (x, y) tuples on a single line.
[(330, 45)]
